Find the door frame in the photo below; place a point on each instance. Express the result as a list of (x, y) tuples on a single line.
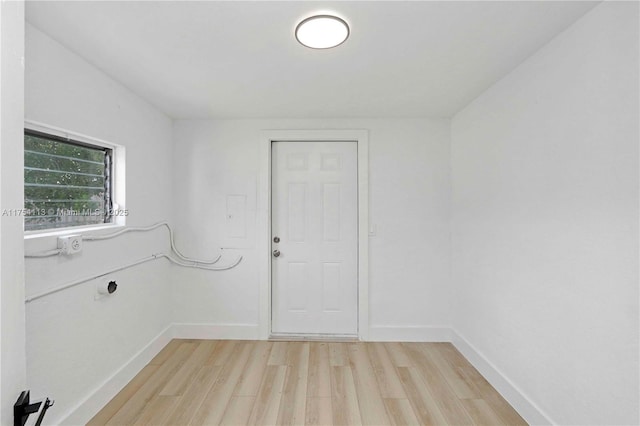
[(267, 137)]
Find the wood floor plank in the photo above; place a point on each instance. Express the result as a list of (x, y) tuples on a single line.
[(398, 355), (249, 382), (166, 352), (451, 354), (109, 410), (372, 408), (480, 385), (452, 375), (215, 402), (499, 405), (481, 413), (319, 411), (194, 396), (294, 392), (338, 354), (155, 412), (445, 397), (319, 377), (300, 382), (238, 411), (267, 403), (388, 380), (423, 403), (278, 354), (504, 410), (464, 369), (187, 372), (344, 401), (130, 411), (221, 352), (400, 412)]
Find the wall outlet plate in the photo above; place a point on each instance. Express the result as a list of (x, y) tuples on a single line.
[(70, 244)]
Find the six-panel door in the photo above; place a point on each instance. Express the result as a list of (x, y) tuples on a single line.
[(314, 210)]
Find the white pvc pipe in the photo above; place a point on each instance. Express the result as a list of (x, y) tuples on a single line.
[(129, 265), (150, 228), (48, 253), (83, 280), (197, 265)]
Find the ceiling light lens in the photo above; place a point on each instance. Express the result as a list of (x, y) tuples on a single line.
[(322, 32)]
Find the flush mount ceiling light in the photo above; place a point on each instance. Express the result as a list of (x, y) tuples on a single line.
[(322, 31)]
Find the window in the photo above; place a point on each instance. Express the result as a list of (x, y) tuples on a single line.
[(66, 182)]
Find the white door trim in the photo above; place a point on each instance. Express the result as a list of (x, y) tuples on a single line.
[(361, 137)]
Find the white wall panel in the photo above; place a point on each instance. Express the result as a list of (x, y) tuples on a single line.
[(409, 204), (545, 222), (75, 342)]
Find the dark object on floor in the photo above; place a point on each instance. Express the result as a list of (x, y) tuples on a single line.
[(22, 409)]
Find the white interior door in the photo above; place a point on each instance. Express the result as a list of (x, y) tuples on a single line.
[(314, 210)]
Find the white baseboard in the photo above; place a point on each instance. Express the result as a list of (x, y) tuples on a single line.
[(217, 331), (409, 334), (509, 391), (103, 393)]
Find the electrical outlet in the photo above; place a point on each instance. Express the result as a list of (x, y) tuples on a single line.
[(70, 244)]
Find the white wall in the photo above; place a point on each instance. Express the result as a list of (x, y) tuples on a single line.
[(545, 222), (409, 204), (12, 317), (544, 208), (76, 343)]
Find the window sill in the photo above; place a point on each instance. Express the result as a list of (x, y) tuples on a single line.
[(31, 235)]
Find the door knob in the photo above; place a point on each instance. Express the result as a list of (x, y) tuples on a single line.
[(276, 239), (276, 253)]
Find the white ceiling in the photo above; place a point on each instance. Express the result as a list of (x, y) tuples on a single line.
[(240, 59)]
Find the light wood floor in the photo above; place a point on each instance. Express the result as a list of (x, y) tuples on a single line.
[(317, 383)]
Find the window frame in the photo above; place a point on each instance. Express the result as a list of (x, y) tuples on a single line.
[(116, 176)]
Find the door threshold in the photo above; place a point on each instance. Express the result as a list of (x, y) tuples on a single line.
[(313, 338)]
